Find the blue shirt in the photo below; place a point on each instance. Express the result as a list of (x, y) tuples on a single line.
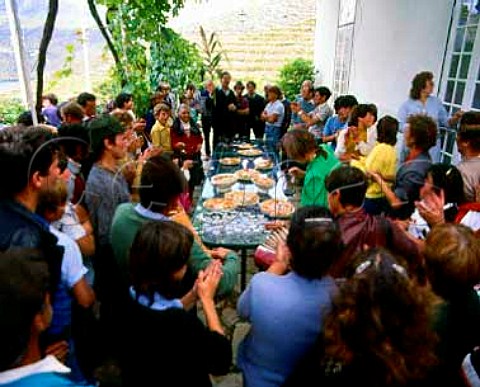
[(286, 313), (332, 126), (433, 108), (306, 106)]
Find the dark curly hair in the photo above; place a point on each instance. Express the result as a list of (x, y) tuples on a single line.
[(380, 323), (423, 129), (419, 82)]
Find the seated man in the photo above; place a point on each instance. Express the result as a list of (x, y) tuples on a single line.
[(343, 106), (346, 188), (317, 118), (468, 141), (25, 312), (157, 201)]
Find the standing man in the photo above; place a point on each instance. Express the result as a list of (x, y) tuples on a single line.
[(241, 112), (206, 103), (223, 110), (106, 187), (30, 165), (256, 104), (88, 102), (305, 103)]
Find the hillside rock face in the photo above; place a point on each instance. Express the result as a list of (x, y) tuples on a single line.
[(258, 35)]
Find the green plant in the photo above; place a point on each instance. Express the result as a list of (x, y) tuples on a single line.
[(67, 69), (176, 60), (10, 109), (212, 53), (144, 50), (293, 74)]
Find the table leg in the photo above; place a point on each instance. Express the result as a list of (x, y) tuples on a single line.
[(243, 273)]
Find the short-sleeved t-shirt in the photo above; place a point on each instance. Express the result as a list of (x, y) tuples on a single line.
[(332, 126), (70, 224), (72, 264), (382, 159), (275, 108)]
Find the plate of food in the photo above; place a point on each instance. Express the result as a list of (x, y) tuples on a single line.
[(262, 163), (253, 152), (263, 182), (246, 174), (223, 180), (245, 145), (230, 161), (277, 208), (219, 204), (243, 198)]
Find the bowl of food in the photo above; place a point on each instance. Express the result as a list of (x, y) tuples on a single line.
[(263, 182), (243, 198), (230, 161), (253, 152), (277, 208), (246, 175), (263, 163), (219, 204), (223, 181)]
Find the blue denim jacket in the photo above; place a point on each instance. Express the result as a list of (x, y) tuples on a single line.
[(20, 227)]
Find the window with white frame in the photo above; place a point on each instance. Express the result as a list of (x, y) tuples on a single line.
[(343, 46), (460, 87)]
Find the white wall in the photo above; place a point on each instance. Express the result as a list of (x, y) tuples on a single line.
[(393, 40), (325, 35)]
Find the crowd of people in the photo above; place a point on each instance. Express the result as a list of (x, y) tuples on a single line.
[(100, 265)]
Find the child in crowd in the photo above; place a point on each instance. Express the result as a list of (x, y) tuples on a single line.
[(182, 351)]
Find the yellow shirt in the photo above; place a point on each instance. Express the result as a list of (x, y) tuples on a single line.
[(383, 160), (161, 136)]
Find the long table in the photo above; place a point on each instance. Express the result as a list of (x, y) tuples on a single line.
[(241, 229)]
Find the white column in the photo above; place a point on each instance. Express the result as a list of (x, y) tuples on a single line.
[(20, 57)]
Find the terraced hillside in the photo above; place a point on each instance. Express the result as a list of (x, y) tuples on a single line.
[(259, 36)]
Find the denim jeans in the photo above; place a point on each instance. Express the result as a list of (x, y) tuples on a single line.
[(272, 137)]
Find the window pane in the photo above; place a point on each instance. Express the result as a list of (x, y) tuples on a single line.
[(454, 66), (463, 15), (454, 109), (347, 11), (476, 97), (457, 47), (459, 90), (449, 92), (469, 39), (464, 66)]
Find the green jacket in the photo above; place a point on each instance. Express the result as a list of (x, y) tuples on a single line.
[(126, 223), (314, 192)]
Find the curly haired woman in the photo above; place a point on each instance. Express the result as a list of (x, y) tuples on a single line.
[(378, 332)]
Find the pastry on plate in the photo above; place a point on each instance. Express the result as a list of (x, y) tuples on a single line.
[(277, 208)]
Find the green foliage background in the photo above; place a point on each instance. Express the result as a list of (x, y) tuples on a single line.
[(293, 74), (149, 51)]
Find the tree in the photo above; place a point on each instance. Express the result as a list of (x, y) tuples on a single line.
[(293, 74), (148, 52), (42, 51), (212, 53), (105, 33)]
